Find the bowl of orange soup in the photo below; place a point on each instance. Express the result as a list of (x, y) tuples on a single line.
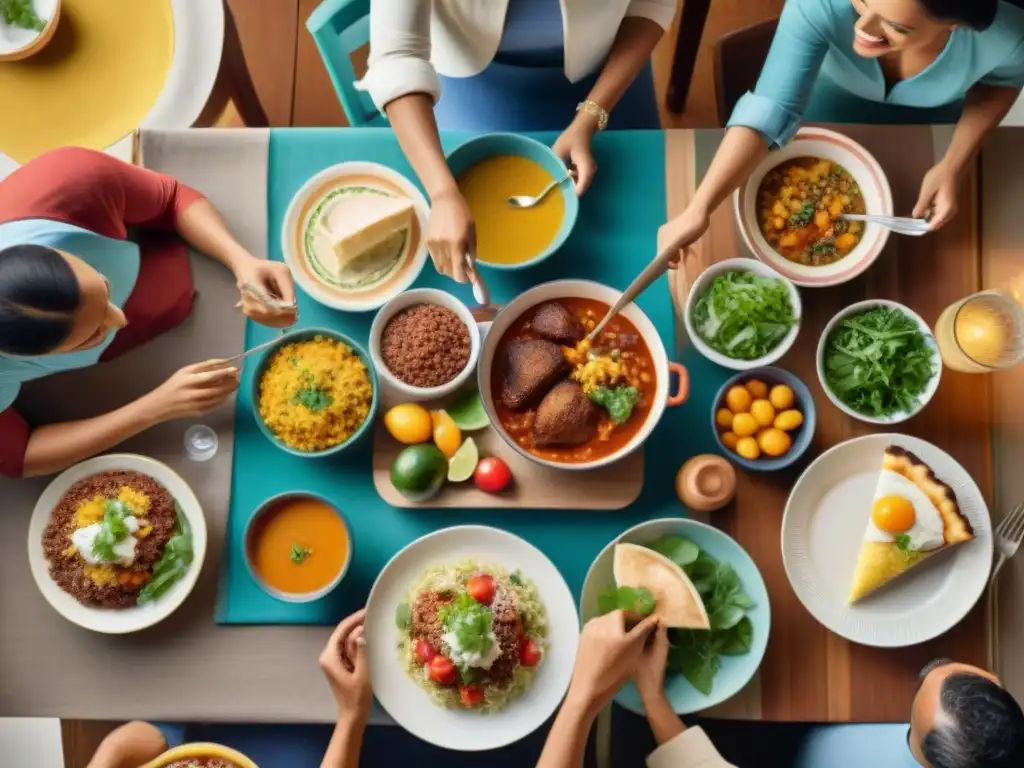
[(492, 168), (298, 546)]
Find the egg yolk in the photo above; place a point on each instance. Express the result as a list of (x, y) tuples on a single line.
[(893, 514)]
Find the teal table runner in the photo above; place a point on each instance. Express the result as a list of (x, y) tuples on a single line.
[(614, 238)]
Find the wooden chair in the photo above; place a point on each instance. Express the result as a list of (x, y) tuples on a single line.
[(739, 59)]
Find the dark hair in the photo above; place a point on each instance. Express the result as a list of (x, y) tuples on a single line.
[(38, 297), (981, 726), (977, 14)]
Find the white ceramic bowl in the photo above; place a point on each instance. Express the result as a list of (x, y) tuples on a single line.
[(703, 282), (825, 144), (584, 289), (297, 216), (403, 301), (410, 705), (115, 622), (929, 392)]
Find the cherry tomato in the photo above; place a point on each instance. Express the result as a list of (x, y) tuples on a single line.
[(492, 475), (442, 670), (481, 588), (471, 695), (530, 653), (424, 652)]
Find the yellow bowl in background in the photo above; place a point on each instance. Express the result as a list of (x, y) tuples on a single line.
[(201, 749)]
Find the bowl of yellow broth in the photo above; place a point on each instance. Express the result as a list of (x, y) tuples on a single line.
[(492, 168), (298, 546)]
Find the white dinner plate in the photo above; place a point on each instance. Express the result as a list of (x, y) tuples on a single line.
[(115, 622), (823, 527), (408, 704)]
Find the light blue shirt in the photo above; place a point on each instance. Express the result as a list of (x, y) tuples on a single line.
[(815, 39), (882, 745), (116, 260), (532, 31)]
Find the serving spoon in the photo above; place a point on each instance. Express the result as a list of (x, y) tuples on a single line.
[(898, 224), (641, 283), (528, 201)]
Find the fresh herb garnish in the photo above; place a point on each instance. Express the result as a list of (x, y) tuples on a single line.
[(470, 622), (299, 553), (803, 217), (173, 563), (824, 247), (878, 362), (516, 578), (20, 13), (744, 315), (113, 530), (629, 599), (403, 617), (695, 654), (619, 402), (311, 396), (903, 544)]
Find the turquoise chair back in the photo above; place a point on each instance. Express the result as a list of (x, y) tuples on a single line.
[(339, 27)]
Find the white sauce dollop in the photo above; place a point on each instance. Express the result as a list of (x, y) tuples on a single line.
[(463, 658), (85, 538)]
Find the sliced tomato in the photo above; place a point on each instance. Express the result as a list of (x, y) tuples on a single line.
[(471, 695), (442, 670), (530, 653), (481, 588), (424, 652)]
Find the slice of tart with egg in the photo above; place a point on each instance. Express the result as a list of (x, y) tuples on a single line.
[(677, 603), (914, 515)]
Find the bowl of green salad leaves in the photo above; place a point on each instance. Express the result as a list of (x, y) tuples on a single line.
[(878, 361), (742, 314)]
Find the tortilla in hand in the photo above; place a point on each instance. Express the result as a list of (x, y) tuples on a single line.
[(676, 601)]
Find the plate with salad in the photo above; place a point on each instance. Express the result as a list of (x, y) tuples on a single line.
[(471, 634), (742, 314), (878, 361), (705, 587)]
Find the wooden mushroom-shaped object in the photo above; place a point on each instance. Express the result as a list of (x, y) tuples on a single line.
[(706, 483)]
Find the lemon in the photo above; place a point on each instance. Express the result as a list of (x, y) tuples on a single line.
[(724, 418), (773, 442), (757, 389), (462, 465), (447, 435), (781, 397), (747, 448), (762, 412), (408, 423), (744, 425), (738, 399)]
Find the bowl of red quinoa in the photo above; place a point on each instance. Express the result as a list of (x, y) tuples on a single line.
[(164, 519), (424, 344), (201, 755)]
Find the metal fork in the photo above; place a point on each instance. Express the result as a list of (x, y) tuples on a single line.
[(1009, 534)]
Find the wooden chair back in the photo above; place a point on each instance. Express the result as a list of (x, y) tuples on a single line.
[(739, 58)]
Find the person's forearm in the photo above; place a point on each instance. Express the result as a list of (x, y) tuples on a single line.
[(664, 722), (412, 118), (54, 447), (346, 742), (984, 109), (740, 151), (129, 746), (632, 48), (202, 227), (566, 744)]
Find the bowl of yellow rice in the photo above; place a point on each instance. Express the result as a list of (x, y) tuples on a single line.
[(315, 392)]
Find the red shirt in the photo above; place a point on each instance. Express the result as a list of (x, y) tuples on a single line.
[(95, 191)]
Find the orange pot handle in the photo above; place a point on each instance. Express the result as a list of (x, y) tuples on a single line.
[(683, 393)]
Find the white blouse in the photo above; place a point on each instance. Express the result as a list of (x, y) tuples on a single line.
[(411, 41), (690, 749)]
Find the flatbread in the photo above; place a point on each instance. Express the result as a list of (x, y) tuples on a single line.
[(677, 603)]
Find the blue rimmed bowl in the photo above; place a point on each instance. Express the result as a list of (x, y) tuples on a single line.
[(307, 334), (801, 437), (495, 144)]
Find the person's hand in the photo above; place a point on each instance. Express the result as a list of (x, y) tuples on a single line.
[(344, 664), (607, 656), (194, 390), (940, 190), (274, 279), (575, 148), (684, 230), (649, 675), (451, 235)]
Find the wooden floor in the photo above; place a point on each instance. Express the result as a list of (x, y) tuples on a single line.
[(292, 89)]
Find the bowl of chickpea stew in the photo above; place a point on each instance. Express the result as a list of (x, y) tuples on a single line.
[(789, 209)]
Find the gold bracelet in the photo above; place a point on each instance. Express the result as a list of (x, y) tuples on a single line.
[(596, 111)]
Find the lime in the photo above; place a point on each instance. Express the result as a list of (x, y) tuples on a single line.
[(419, 471), (468, 412), (462, 465)]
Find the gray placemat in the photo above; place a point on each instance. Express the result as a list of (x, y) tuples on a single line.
[(186, 667)]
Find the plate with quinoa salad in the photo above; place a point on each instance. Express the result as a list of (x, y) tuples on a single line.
[(116, 543), (471, 635)]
